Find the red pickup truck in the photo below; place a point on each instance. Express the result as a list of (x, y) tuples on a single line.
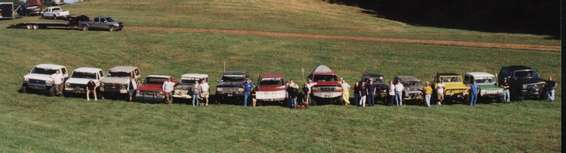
[(152, 88), (326, 85), (271, 88)]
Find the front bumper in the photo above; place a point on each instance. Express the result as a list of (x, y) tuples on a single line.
[(271, 96), (327, 95), (150, 96)]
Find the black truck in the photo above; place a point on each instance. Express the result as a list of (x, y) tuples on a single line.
[(231, 85), (379, 84), (524, 82), (81, 22)]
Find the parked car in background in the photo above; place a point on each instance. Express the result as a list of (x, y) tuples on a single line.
[(101, 23), (184, 88), (79, 79), (326, 85), (524, 82), (48, 78), (122, 81), (488, 88), (231, 85), (271, 88), (152, 88), (379, 82), (413, 87), (454, 87), (54, 12)]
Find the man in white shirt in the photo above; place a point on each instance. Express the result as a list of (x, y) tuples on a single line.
[(204, 93), (168, 87), (58, 80)]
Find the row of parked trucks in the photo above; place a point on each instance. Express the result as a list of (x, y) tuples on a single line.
[(124, 82)]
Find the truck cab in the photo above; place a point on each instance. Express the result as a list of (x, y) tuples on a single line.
[(271, 88), (46, 78), (79, 79), (326, 85)]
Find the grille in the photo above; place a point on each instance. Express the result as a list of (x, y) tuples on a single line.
[(327, 88), (34, 81), (77, 85)]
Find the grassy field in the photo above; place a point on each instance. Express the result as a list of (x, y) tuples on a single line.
[(36, 123)]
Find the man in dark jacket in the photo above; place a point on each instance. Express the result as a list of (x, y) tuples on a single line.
[(371, 93), (91, 88)]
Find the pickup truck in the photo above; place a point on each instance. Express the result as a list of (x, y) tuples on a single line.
[(54, 12), (101, 23)]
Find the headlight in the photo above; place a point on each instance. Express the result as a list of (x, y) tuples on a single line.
[(26, 79), (123, 87), (67, 84), (525, 86), (240, 89), (219, 89)]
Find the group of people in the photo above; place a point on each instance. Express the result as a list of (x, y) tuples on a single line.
[(200, 91), (367, 92)]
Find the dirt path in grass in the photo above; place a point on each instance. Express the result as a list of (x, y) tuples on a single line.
[(546, 48)]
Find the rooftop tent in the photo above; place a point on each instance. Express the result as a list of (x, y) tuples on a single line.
[(322, 69)]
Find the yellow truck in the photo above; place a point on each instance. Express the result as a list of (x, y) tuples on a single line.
[(454, 87)]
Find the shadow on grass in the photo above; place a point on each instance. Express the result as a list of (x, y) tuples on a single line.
[(505, 16)]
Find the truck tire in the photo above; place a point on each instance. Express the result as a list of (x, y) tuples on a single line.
[(29, 27), (24, 89), (51, 91)]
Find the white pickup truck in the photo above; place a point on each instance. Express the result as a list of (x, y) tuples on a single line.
[(54, 12)]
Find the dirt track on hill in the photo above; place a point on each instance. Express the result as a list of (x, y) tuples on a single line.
[(546, 48)]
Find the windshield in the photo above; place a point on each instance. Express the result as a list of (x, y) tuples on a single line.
[(271, 82), (43, 71), (450, 79), (152, 80), (325, 78), (118, 74), (109, 20), (412, 83), (188, 81), (526, 74), (485, 81), (232, 79), (84, 75)]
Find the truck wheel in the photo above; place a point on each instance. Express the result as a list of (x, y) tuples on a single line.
[(51, 92), (24, 89)]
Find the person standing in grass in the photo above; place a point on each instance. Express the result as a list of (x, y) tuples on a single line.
[(473, 94), (399, 92), (345, 91), (392, 100), (91, 88), (248, 87), (550, 89), (168, 87), (363, 94), (428, 93), (371, 93), (356, 93), (204, 93), (196, 94), (506, 92), (439, 94)]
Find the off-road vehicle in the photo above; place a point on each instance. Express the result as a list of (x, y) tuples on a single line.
[(231, 85), (488, 88), (122, 81), (454, 87), (47, 78), (152, 88), (413, 87), (378, 82), (79, 79), (327, 87), (271, 88), (524, 82), (184, 88)]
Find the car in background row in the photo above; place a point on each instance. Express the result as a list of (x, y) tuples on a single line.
[(326, 85), (454, 87), (101, 23), (122, 81), (79, 79), (413, 87), (152, 88), (524, 82), (184, 88), (487, 85), (47, 78), (231, 85), (54, 12), (379, 84), (271, 88)]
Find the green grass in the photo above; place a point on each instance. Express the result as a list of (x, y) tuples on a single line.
[(36, 123)]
